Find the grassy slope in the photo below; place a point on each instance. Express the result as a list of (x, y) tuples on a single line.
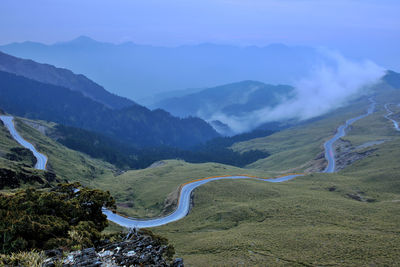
[(294, 147), (6, 141), (376, 126), (6, 144), (66, 163), (145, 190), (302, 221), (142, 192)]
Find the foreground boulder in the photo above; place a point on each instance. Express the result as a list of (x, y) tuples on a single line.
[(138, 249)]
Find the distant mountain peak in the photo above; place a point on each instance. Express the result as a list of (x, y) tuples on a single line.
[(83, 38), (130, 68), (80, 40), (245, 82), (392, 78)]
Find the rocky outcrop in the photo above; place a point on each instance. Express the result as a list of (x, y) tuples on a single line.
[(138, 249), (21, 154), (318, 164), (37, 126), (347, 154), (360, 196), (13, 179), (157, 164), (171, 202)]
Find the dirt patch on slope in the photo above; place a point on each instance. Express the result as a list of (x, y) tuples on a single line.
[(41, 128), (157, 164), (347, 154), (171, 202), (318, 164)]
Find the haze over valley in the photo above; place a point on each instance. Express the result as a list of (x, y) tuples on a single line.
[(322, 78)]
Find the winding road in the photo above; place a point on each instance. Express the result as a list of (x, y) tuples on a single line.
[(395, 123), (186, 189), (41, 160), (341, 131), (183, 203)]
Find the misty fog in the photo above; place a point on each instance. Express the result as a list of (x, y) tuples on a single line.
[(327, 87)]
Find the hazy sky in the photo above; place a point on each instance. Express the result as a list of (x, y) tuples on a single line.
[(357, 27)]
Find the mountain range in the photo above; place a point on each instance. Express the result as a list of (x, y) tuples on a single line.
[(139, 71), (49, 74), (113, 116)]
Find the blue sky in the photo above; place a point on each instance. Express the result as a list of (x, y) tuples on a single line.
[(355, 27)]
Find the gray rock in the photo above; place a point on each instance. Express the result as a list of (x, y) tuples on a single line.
[(139, 249), (178, 262)]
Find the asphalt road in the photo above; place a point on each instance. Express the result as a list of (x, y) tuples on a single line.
[(183, 204), (341, 131), (41, 159), (395, 123)]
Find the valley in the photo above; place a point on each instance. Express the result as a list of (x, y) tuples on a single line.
[(317, 219), (245, 213)]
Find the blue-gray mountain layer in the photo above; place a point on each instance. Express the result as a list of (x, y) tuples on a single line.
[(138, 71)]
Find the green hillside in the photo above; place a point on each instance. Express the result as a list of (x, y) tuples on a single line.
[(295, 147), (142, 193), (318, 219), (313, 220), (349, 218), (67, 164)]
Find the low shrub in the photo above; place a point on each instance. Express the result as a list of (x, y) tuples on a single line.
[(67, 215)]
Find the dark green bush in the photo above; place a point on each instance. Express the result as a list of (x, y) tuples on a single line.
[(67, 215)]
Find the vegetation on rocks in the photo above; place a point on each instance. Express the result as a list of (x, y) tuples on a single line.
[(24, 258), (16, 177), (21, 154), (67, 215), (133, 248)]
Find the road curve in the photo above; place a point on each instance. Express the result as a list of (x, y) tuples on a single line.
[(41, 160), (183, 203), (341, 131), (395, 123)]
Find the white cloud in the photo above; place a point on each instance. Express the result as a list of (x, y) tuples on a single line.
[(329, 86)]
